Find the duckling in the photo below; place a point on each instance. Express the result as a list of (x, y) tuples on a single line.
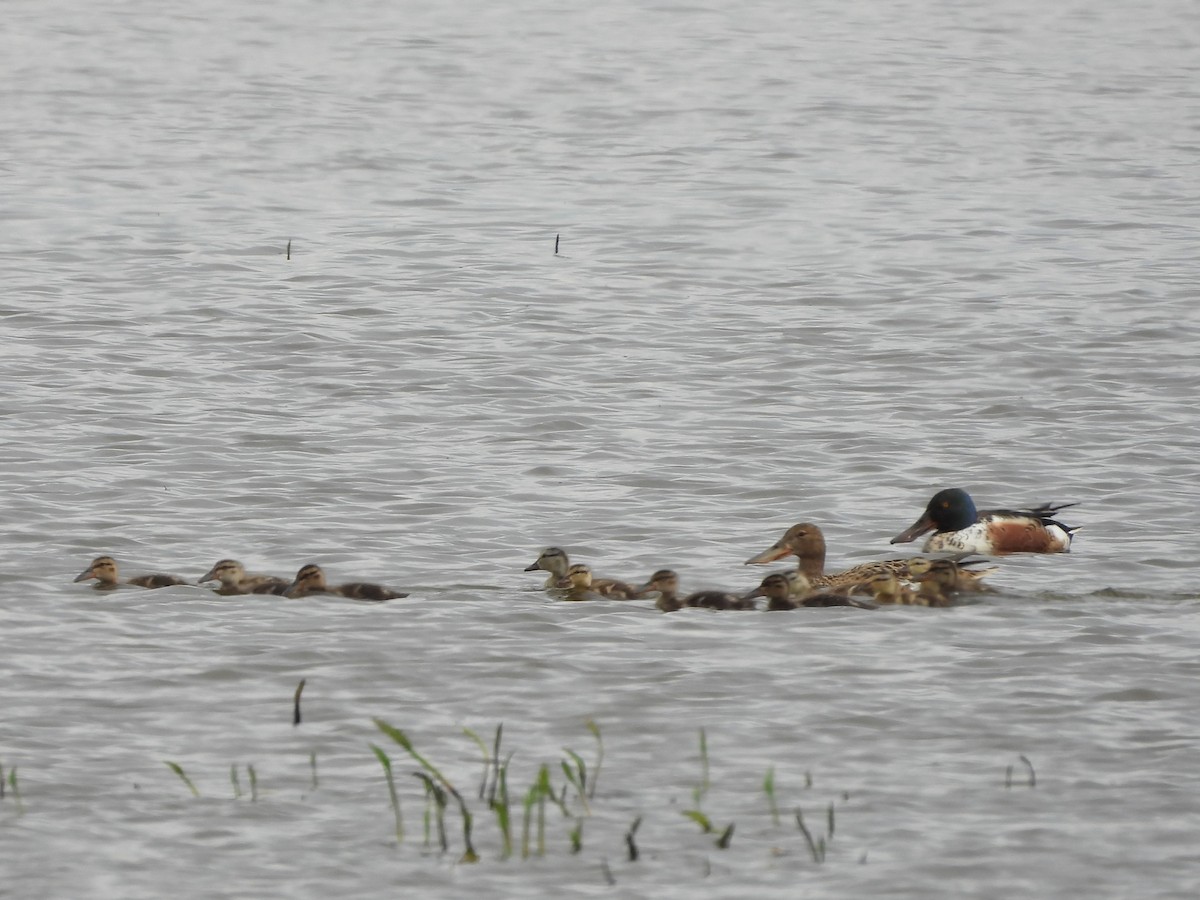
[(785, 590), (940, 580), (579, 584), (953, 573), (555, 561), (665, 583), (104, 570), (807, 542), (887, 588), (311, 580), (234, 580)]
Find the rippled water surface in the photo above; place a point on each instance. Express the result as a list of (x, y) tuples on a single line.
[(281, 283)]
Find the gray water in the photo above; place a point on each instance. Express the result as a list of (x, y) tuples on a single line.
[(815, 262)]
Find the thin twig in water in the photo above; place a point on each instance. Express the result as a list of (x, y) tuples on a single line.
[(1029, 766), (629, 842), (296, 702)]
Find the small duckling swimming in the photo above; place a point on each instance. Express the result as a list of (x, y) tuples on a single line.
[(555, 561), (234, 580), (951, 574), (666, 583), (791, 590), (311, 580), (579, 584), (104, 570), (887, 588)]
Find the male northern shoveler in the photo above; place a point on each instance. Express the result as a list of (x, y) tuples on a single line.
[(958, 527), (807, 542)]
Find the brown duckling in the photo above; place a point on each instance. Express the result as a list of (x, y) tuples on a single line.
[(580, 585), (887, 588), (786, 590), (951, 574), (104, 570), (807, 542), (555, 561), (666, 583), (311, 580), (234, 580)]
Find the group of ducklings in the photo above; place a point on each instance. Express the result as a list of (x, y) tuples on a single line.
[(232, 578), (916, 581), (919, 580)]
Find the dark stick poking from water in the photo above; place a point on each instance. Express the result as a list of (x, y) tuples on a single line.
[(296, 702), (1029, 766), (556, 237), (1008, 773), (289, 250)]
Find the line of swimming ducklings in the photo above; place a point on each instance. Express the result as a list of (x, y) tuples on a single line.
[(917, 581), (959, 530), (232, 578)]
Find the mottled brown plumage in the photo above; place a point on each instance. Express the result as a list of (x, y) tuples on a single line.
[(234, 580), (807, 542), (785, 590), (555, 561), (311, 580), (104, 570)]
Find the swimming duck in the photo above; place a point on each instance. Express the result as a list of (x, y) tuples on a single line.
[(234, 580), (888, 589), (958, 526), (311, 580), (579, 584), (788, 590), (554, 560), (950, 574), (807, 542), (104, 570), (666, 583)]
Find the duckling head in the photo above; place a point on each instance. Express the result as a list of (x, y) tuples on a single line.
[(226, 571), (579, 576), (309, 578), (665, 581), (103, 569), (776, 587)]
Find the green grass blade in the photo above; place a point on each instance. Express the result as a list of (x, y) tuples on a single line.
[(595, 730), (700, 819), (174, 767), (487, 761), (769, 790), (391, 785)]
